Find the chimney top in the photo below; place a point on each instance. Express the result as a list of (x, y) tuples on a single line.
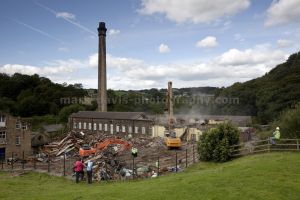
[(102, 29)]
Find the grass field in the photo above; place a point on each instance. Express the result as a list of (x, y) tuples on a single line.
[(266, 176)]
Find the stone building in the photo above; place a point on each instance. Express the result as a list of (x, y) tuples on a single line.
[(134, 123), (15, 137)]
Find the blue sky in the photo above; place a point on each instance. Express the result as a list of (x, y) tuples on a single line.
[(149, 42)]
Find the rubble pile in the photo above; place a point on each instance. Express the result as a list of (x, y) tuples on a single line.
[(68, 145), (114, 162)]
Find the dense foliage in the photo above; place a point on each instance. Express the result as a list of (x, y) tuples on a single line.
[(68, 110), (289, 123), (28, 96), (214, 144)]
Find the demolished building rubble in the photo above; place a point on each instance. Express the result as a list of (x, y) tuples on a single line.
[(114, 162)]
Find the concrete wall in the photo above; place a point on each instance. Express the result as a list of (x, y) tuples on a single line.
[(21, 133), (159, 131), (179, 131), (193, 134)]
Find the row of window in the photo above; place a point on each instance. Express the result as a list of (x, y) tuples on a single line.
[(19, 125), (104, 127), (3, 137)]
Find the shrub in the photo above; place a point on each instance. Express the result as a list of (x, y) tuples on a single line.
[(214, 144), (68, 110), (289, 123)]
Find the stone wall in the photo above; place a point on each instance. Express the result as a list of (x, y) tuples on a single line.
[(17, 137)]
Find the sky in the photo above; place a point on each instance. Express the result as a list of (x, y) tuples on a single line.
[(193, 43)]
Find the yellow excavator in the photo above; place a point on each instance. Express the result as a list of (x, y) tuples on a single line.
[(171, 140)]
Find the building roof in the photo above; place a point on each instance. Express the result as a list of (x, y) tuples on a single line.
[(110, 115)]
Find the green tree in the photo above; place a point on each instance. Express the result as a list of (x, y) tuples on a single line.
[(214, 144), (68, 110), (289, 123)]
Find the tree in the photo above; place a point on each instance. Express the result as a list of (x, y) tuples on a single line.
[(214, 144), (68, 110), (289, 123)]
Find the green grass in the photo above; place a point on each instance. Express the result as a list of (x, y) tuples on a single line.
[(266, 176)]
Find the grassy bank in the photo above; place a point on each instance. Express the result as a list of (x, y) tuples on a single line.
[(266, 176)]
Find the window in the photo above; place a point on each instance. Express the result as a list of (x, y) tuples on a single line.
[(18, 140), (143, 130), (79, 125), (136, 129), (84, 125), (2, 118), (2, 121), (90, 126), (75, 125), (24, 127), (111, 129), (2, 135), (123, 129), (129, 129), (18, 125), (95, 126), (105, 127), (117, 128), (100, 127)]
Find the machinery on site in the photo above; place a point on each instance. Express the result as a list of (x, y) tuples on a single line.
[(87, 150), (171, 140)]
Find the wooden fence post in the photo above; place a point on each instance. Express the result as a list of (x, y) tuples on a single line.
[(193, 153), (268, 145), (23, 160), (48, 163), (176, 161), (186, 157), (12, 161), (158, 166), (297, 144)]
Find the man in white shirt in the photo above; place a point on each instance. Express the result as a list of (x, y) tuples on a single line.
[(89, 171)]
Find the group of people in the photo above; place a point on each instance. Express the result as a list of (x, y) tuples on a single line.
[(79, 167)]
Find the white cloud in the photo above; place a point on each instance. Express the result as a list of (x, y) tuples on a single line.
[(223, 70), (163, 48), (57, 70), (93, 60), (260, 54), (112, 32), (130, 73), (115, 62), (65, 15), (282, 12), (30, 70), (196, 11), (284, 43), (207, 42)]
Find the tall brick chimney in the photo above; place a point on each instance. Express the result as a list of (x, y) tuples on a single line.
[(102, 94)]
